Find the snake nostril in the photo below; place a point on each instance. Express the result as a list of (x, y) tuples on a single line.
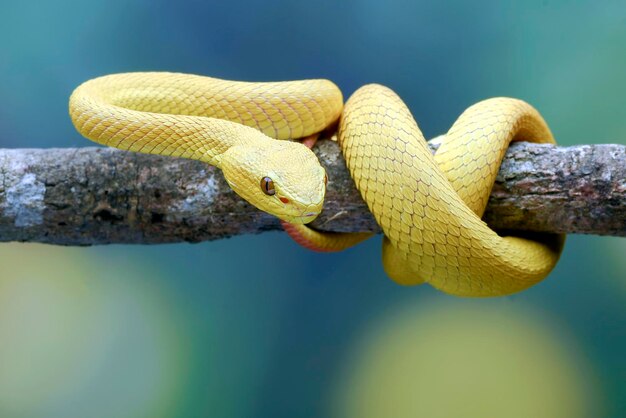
[(284, 199)]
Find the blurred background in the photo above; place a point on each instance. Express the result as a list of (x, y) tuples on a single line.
[(255, 326)]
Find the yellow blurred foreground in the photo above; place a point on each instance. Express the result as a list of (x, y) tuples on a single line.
[(80, 338), (467, 360)]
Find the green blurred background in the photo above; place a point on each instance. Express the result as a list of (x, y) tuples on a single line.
[(255, 326)]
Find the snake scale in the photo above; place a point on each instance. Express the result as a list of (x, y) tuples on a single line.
[(429, 207)]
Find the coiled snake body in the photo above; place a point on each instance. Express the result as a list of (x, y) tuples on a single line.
[(429, 207)]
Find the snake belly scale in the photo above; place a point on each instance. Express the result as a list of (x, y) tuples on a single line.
[(429, 207)]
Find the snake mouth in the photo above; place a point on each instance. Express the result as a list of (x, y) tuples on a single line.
[(305, 218)]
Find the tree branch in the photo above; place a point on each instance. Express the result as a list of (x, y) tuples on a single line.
[(100, 196)]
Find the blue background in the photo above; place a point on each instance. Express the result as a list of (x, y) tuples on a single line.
[(255, 326)]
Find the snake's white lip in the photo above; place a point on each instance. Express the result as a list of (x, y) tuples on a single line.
[(305, 218)]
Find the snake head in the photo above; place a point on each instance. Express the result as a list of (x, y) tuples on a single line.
[(282, 178)]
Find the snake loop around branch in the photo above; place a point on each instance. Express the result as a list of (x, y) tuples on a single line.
[(429, 207)]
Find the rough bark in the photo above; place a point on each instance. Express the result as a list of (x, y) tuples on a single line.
[(100, 196)]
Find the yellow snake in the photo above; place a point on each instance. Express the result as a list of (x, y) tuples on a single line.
[(429, 207)]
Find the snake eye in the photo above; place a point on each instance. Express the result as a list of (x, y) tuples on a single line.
[(267, 185), (325, 179)]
